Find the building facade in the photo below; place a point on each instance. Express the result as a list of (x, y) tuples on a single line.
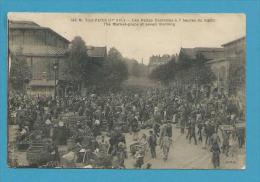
[(45, 52), (157, 60), (208, 53), (230, 69), (42, 48)]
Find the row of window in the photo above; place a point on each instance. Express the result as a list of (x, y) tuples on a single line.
[(33, 37), (41, 68)]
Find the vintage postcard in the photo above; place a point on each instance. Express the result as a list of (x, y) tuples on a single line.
[(126, 91)]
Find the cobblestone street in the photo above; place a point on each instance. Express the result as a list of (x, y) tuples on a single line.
[(182, 155)]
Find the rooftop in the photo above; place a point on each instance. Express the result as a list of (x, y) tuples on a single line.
[(25, 25), (96, 51), (22, 24), (234, 41), (209, 52)]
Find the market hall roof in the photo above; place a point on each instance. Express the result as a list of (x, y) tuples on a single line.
[(20, 25), (234, 41), (92, 51)]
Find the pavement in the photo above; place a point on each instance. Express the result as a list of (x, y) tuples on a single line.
[(185, 155), (182, 154)]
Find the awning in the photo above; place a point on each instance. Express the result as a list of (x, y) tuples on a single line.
[(44, 51)]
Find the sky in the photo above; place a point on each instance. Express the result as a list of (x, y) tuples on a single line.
[(141, 42)]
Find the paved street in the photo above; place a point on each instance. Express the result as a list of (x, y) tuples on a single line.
[(183, 155)]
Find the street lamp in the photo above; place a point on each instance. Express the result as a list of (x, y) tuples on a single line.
[(55, 68), (197, 86)]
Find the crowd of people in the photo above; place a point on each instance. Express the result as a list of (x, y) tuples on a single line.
[(96, 118)]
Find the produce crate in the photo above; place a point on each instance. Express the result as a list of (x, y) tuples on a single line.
[(22, 146), (37, 154)]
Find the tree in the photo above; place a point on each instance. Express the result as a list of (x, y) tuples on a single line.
[(80, 68), (136, 69), (114, 69), (165, 72), (194, 71), (19, 73), (114, 55), (201, 73), (93, 74), (77, 59)]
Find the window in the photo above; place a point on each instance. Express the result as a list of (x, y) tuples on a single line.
[(17, 37), (39, 37)]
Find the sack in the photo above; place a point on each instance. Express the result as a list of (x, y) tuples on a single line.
[(69, 156)]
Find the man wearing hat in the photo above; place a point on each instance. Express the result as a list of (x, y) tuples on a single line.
[(139, 156), (152, 143), (96, 128), (135, 128), (192, 129), (121, 154), (183, 119)]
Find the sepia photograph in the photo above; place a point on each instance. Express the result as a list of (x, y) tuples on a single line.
[(127, 91)]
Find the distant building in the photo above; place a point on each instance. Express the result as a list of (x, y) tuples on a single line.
[(97, 53), (208, 53), (42, 48), (227, 62), (230, 69), (205, 53), (157, 60)]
